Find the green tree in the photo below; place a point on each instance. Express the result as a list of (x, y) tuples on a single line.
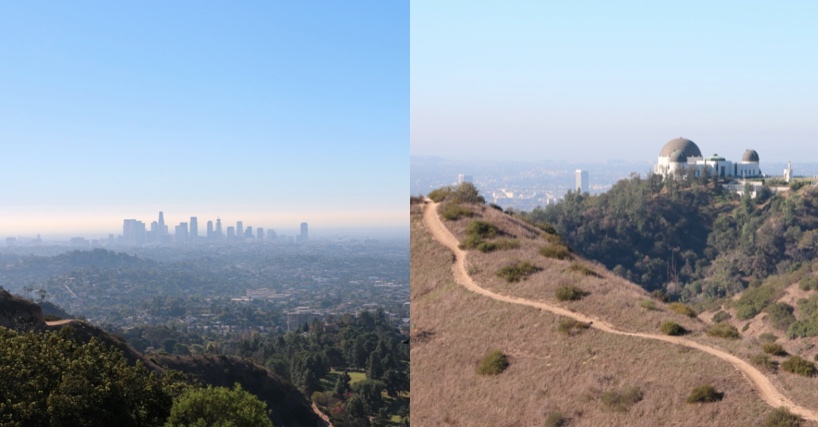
[(218, 407)]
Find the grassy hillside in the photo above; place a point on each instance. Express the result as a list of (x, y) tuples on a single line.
[(556, 372)]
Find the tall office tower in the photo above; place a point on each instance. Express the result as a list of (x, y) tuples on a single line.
[(248, 232), (260, 234), (582, 181), (181, 234), (210, 234), (154, 233), (231, 232), (219, 228), (461, 178), (163, 229), (239, 228), (304, 233), (194, 228), (133, 231)]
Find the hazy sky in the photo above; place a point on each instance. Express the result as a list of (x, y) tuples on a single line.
[(274, 112), (601, 80)]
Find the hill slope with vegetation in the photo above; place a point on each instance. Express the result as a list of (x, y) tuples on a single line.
[(554, 371)]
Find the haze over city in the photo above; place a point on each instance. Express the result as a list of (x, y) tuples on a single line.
[(601, 81), (272, 113)]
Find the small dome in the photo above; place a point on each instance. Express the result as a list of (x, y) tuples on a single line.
[(678, 156), (750, 156), (686, 146)]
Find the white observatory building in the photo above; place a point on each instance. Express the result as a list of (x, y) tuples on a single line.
[(681, 155)]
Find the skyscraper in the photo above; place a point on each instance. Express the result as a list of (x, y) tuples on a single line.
[(304, 233), (239, 228), (582, 181), (259, 234), (210, 234), (163, 229), (181, 233), (194, 228), (219, 228)]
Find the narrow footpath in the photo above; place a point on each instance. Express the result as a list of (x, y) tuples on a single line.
[(768, 392)]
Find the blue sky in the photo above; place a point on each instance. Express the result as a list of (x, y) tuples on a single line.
[(274, 112), (599, 80)]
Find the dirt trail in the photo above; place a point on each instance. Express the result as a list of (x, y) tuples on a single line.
[(59, 322), (765, 387)]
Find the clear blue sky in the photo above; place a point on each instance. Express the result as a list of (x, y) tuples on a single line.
[(274, 112), (597, 80)]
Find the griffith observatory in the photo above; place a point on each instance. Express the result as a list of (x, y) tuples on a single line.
[(681, 156)]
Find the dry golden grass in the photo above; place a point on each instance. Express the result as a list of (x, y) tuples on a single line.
[(452, 329)]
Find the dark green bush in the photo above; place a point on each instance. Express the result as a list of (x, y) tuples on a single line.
[(763, 361), (767, 337), (774, 349), (648, 305), (704, 394), (493, 363), (569, 326), (482, 229), (466, 193), (753, 300), (440, 194), (807, 283), (569, 293), (556, 252), (682, 309), (453, 212), (723, 330), (672, 328), (556, 419), (797, 365), (721, 316), (581, 269), (780, 315), (782, 417), (621, 400), (498, 245), (518, 271)]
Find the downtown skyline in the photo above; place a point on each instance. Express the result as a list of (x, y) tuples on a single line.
[(275, 112)]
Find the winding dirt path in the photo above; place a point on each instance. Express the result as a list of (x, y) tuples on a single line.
[(768, 392)]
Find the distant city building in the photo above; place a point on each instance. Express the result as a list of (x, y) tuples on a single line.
[(248, 233), (260, 233), (133, 232), (680, 156), (239, 228), (461, 178), (304, 236), (218, 231), (582, 181), (788, 172), (194, 228), (210, 233), (181, 234), (231, 232)]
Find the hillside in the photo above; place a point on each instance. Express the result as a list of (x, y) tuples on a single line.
[(584, 374), (23, 320)]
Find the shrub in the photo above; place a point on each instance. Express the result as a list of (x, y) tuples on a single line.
[(780, 315), (808, 283), (774, 349), (571, 326), (556, 419), (493, 363), (416, 200), (581, 269), (554, 239), (518, 271), (672, 328), (682, 309), (496, 207), (782, 417), (440, 194), (482, 229), (556, 252), (648, 305), (704, 394), (453, 212), (569, 293), (721, 316), (763, 361), (466, 193), (546, 228), (622, 400), (723, 330), (767, 337), (498, 245), (797, 365)]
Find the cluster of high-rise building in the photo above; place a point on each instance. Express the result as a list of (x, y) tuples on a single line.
[(136, 232)]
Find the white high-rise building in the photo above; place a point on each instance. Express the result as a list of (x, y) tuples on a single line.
[(582, 181), (461, 178)]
